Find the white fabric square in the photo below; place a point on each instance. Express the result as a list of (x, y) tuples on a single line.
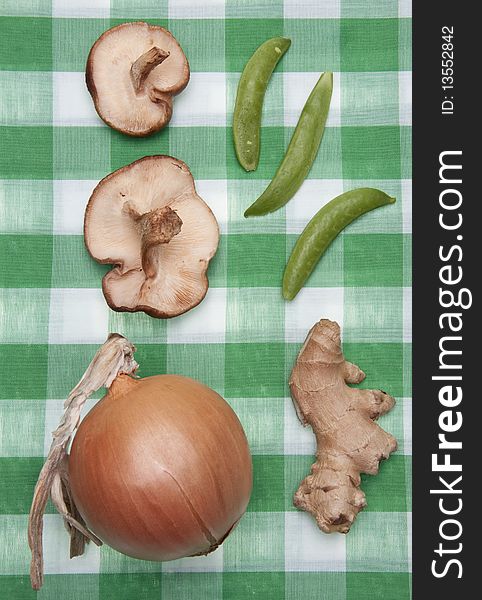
[(312, 195), (404, 8), (193, 9), (297, 88), (203, 102), (204, 324), (81, 8), (405, 97), (215, 193), (307, 548), (407, 315), (56, 542), (70, 199), (319, 9), (78, 316), (72, 103), (309, 306), (212, 563), (297, 439)]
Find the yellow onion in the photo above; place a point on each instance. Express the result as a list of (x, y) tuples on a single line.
[(160, 468)]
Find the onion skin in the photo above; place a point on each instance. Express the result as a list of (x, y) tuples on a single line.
[(160, 468)]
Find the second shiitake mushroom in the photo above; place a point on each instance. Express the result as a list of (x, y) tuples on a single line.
[(148, 221)]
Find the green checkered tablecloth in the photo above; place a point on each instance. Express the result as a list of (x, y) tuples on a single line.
[(243, 338)]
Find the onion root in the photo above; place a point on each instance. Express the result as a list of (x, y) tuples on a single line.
[(115, 356)]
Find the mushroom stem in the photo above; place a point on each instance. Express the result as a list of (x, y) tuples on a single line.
[(157, 227), (141, 68)]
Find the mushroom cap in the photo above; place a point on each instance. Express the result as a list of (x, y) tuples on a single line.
[(177, 280), (108, 77)]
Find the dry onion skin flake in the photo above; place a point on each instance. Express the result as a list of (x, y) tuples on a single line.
[(159, 469)]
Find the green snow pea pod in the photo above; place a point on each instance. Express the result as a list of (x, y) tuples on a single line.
[(323, 229), (249, 100), (301, 151)]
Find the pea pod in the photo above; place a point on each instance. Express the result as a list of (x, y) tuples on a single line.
[(249, 100), (301, 152), (323, 229)]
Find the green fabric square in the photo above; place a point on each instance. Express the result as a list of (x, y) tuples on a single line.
[(257, 543), (254, 370), (27, 153), (72, 266), (268, 484), (204, 362), (273, 146), (382, 363), (72, 40), (22, 428), (378, 542), (139, 10), (329, 271), (20, 108), (369, 44), (19, 475), (241, 194), (386, 492), (15, 54), (17, 587), (66, 365), (263, 423), (369, 98), (25, 206), (259, 586), (152, 359), (373, 314), (256, 260), (25, 261), (371, 152), (264, 324), (315, 45), (141, 586), (17, 360), (368, 586), (202, 41), (297, 467), (244, 36), (24, 315), (315, 586), (253, 9), (363, 10), (81, 152), (201, 148), (125, 149), (192, 586), (374, 260), (74, 587)]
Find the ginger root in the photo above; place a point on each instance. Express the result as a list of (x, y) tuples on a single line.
[(349, 442)]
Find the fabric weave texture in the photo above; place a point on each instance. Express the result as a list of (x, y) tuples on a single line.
[(243, 338)]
